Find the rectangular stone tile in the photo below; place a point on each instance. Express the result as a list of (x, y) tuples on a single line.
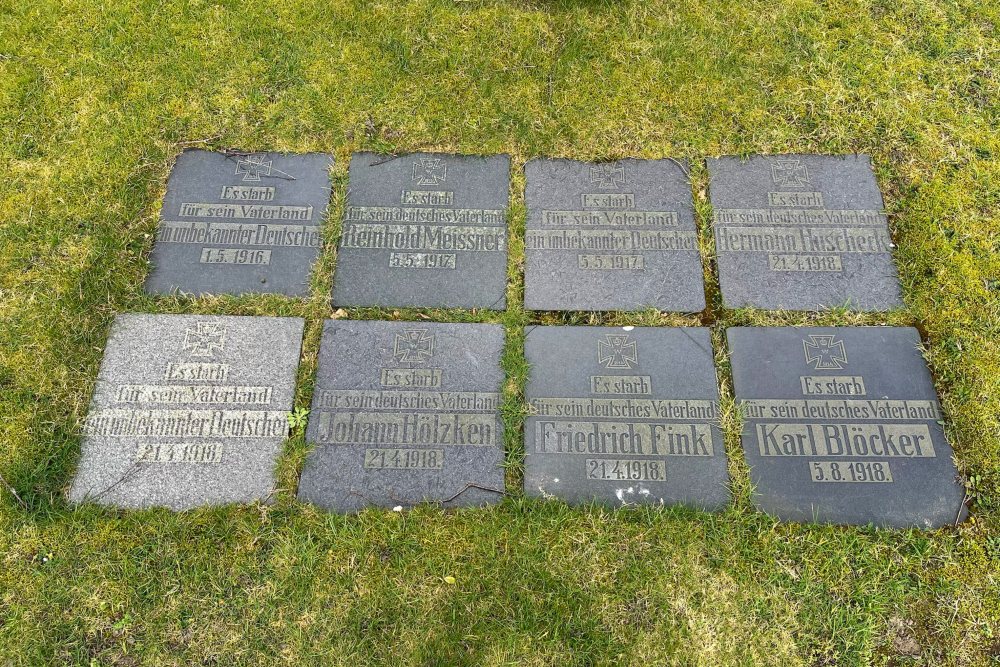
[(189, 410), (802, 232), (424, 230), (611, 236), (624, 416), (842, 425), (240, 223), (405, 412)]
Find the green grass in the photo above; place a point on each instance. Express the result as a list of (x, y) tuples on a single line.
[(97, 99)]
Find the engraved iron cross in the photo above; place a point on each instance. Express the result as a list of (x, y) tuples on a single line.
[(617, 351), (413, 346), (825, 352), (204, 339), (252, 167)]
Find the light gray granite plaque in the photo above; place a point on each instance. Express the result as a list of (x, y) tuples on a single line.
[(624, 416), (842, 425), (405, 412), (802, 232), (189, 410), (240, 223), (424, 230), (611, 236)]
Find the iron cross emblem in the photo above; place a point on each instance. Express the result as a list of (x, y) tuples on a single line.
[(429, 171), (607, 175), (413, 346), (204, 339), (825, 353), (617, 351), (789, 173), (252, 167)]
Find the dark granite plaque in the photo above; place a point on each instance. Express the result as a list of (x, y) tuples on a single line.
[(424, 230), (405, 412), (611, 236), (189, 410), (624, 416), (240, 223), (842, 425), (802, 232)]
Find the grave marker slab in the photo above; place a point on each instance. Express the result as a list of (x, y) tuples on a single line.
[(611, 236), (424, 230), (802, 232), (405, 412), (189, 410), (240, 223), (842, 425), (624, 417)]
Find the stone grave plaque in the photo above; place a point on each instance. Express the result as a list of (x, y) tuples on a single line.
[(405, 412), (842, 425), (611, 236), (240, 223), (802, 232), (424, 230), (189, 410), (624, 416)]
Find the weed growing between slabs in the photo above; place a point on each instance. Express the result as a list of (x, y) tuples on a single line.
[(96, 101)]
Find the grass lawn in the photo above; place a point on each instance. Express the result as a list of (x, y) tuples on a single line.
[(98, 98)]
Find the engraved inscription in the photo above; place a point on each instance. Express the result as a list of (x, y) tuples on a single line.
[(120, 423), (163, 393), (632, 438), (179, 452), (608, 200), (404, 459), (850, 471), (443, 216), (197, 371), (426, 378), (615, 240), (246, 211), (424, 237), (235, 233), (785, 262), (427, 197), (409, 429), (452, 401), (621, 384), (832, 385), (247, 193), (766, 216), (626, 470), (806, 239), (881, 409), (243, 256), (625, 408), (795, 199), (609, 218), (881, 440), (422, 260), (611, 262)]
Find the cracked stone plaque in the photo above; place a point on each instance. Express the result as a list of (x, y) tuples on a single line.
[(624, 416), (240, 223), (802, 232), (611, 236), (842, 425), (424, 230), (189, 410), (403, 413)]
